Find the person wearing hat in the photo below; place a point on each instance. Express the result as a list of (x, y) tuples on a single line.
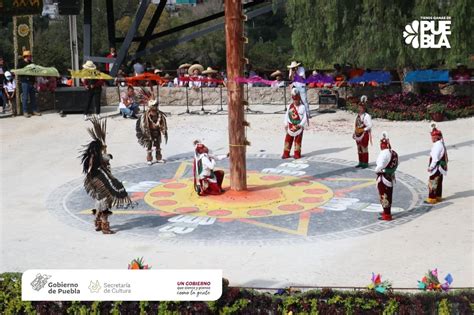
[(94, 91), (438, 166), (362, 133), (298, 76), (180, 73), (387, 163), (195, 76), (211, 76), (295, 121), (150, 129), (9, 90), (28, 88), (207, 180), (278, 79)]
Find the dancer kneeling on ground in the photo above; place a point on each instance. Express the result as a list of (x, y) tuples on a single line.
[(438, 167), (387, 163), (150, 128), (295, 121), (99, 183), (207, 181), (362, 133)]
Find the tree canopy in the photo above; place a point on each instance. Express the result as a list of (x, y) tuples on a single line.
[(369, 32)]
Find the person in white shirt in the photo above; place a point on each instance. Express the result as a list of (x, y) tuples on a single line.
[(278, 79), (387, 163), (9, 90), (207, 180), (195, 76), (362, 133), (128, 106), (438, 166), (295, 121), (298, 76)]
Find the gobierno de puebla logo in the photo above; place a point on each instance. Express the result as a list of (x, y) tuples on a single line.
[(428, 32)]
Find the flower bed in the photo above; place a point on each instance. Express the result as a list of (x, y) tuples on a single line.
[(243, 301), (409, 106)]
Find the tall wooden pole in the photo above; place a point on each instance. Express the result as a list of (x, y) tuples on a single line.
[(234, 48)]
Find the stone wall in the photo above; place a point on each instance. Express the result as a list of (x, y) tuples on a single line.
[(176, 96)]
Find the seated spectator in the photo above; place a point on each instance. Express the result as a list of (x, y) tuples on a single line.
[(138, 67), (181, 72), (211, 74), (195, 75), (128, 106), (169, 81), (279, 79)]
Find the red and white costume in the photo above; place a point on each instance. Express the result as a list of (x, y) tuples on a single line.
[(295, 121), (387, 163), (438, 167), (207, 181), (362, 135)]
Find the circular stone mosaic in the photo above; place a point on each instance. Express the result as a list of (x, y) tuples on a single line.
[(310, 199)]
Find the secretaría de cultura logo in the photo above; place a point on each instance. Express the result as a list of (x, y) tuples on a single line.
[(428, 32)]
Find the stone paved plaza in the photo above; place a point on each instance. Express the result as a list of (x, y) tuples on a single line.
[(303, 222)]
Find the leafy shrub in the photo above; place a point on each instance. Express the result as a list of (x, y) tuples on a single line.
[(244, 301), (409, 106)]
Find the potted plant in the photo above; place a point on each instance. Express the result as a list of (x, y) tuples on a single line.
[(436, 111)]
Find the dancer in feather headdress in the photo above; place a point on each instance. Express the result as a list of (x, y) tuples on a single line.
[(99, 183), (151, 127)]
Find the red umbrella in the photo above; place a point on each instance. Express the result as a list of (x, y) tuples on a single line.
[(146, 77)]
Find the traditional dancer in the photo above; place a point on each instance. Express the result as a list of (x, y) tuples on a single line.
[(362, 133), (295, 121), (150, 128), (387, 163), (207, 181), (99, 183), (438, 166)]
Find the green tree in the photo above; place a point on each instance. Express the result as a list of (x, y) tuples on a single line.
[(369, 32)]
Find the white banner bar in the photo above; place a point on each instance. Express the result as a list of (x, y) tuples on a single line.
[(121, 285)]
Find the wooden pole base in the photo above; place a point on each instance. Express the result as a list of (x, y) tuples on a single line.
[(234, 47)]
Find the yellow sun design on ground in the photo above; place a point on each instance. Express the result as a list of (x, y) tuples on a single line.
[(267, 195)]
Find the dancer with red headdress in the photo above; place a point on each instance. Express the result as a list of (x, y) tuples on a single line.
[(387, 163), (438, 167), (295, 121), (207, 180)]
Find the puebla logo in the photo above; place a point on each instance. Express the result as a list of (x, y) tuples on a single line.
[(428, 32)]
